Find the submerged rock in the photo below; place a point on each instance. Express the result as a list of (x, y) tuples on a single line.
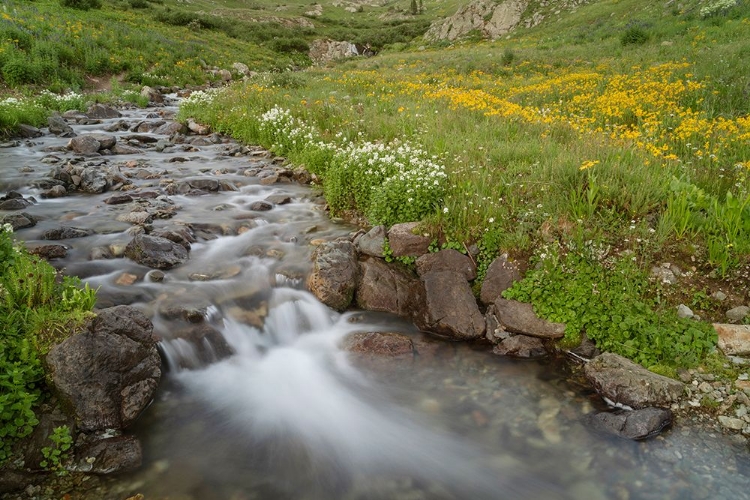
[(386, 344), (637, 424), (156, 252), (110, 455), (521, 346)]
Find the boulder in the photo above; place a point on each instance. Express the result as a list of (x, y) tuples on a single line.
[(118, 199), (260, 206), (279, 199), (84, 145), (404, 243), (637, 424), (29, 132), (501, 274), (738, 313), (105, 141), (198, 128), (107, 374), (521, 346), (124, 149), (16, 480), (110, 455), (14, 204), (19, 221), (58, 126), (323, 51), (153, 95), (385, 344), (64, 233), (101, 111), (450, 308), (55, 192), (204, 183), (734, 340), (388, 288), (334, 274), (623, 382), (93, 180), (491, 19), (519, 317), (447, 260), (155, 252), (49, 252), (372, 242)]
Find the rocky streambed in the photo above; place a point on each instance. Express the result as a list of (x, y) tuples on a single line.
[(204, 250)]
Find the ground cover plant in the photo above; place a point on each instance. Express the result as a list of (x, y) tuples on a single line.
[(38, 308), (584, 134)]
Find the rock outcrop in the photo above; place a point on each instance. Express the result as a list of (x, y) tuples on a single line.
[(334, 275)]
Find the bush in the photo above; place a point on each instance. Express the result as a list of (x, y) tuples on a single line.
[(635, 35), (17, 71), (82, 4)]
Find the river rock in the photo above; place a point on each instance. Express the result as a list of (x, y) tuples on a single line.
[(93, 180), (84, 145), (180, 235), (64, 233), (521, 346), (204, 184), (450, 307), (16, 480), (118, 199), (738, 313), (138, 218), (19, 221), (447, 260), (107, 374), (734, 340), (197, 128), (386, 344), (153, 95), (124, 149), (623, 382), (29, 132), (260, 206), (106, 141), (404, 243), (637, 424), (155, 252), (519, 317), (15, 204), (49, 252), (58, 126), (372, 242), (388, 288), (101, 111), (55, 192), (110, 455), (334, 274), (501, 274), (170, 128), (279, 199)]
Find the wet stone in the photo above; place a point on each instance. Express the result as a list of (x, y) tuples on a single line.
[(64, 233), (260, 206), (279, 199), (49, 252)]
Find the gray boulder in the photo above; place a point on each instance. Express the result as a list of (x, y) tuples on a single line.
[(334, 274), (519, 317), (625, 383), (205, 184), (404, 243), (84, 145), (105, 141), (107, 374), (388, 288), (636, 424), (521, 346), (58, 126), (29, 132), (260, 206), (738, 313), (450, 308), (110, 455), (385, 344), (371, 243), (15, 204), (49, 252), (153, 95), (100, 111), (500, 276), (19, 221), (155, 252), (447, 260), (93, 180), (64, 233)]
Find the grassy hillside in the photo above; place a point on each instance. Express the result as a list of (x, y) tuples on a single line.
[(597, 145)]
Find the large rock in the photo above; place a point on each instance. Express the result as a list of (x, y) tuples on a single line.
[(447, 260), (99, 111), (636, 424), (110, 455), (388, 288), (93, 180), (500, 276), (29, 132), (19, 221), (492, 19), (334, 275), (734, 340), (323, 51), (64, 233), (84, 145), (155, 252), (108, 374), (58, 126), (371, 243), (519, 317), (153, 95), (385, 344), (521, 346), (450, 307), (625, 383), (404, 243)]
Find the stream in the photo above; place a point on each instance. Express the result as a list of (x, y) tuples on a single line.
[(258, 401)]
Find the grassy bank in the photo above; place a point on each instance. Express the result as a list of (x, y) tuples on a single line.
[(595, 139)]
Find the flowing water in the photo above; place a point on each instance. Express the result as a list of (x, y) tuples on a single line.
[(259, 402)]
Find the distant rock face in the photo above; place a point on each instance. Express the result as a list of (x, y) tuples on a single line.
[(486, 16), (324, 51)]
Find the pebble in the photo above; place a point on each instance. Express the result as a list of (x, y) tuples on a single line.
[(738, 313), (732, 423)]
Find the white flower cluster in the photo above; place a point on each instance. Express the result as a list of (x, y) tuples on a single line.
[(67, 98), (202, 97), (7, 228), (287, 132), (717, 7)]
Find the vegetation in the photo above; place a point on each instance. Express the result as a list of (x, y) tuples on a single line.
[(642, 151), (38, 308)]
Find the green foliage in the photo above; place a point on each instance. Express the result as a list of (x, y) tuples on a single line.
[(614, 304), (635, 34), (82, 4), (56, 455)]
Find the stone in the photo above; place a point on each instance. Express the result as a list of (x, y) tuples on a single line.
[(93, 180), (138, 218), (279, 199), (491, 19), (334, 275), (323, 51), (105, 141), (684, 312), (664, 275), (58, 126), (241, 68), (209, 345), (16, 480), (204, 183), (637, 424), (110, 455), (450, 308), (734, 340), (101, 111), (520, 318), (49, 252), (155, 252), (447, 260), (501, 274), (153, 95), (260, 206), (198, 128), (719, 295), (19, 221), (732, 423), (170, 128), (14, 204), (29, 132), (107, 374), (118, 199), (55, 192), (84, 145), (124, 149), (64, 233), (372, 242), (404, 243), (623, 382), (388, 288), (386, 344), (738, 313), (521, 346)]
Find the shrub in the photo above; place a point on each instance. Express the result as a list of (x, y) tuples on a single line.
[(82, 4), (635, 35)]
